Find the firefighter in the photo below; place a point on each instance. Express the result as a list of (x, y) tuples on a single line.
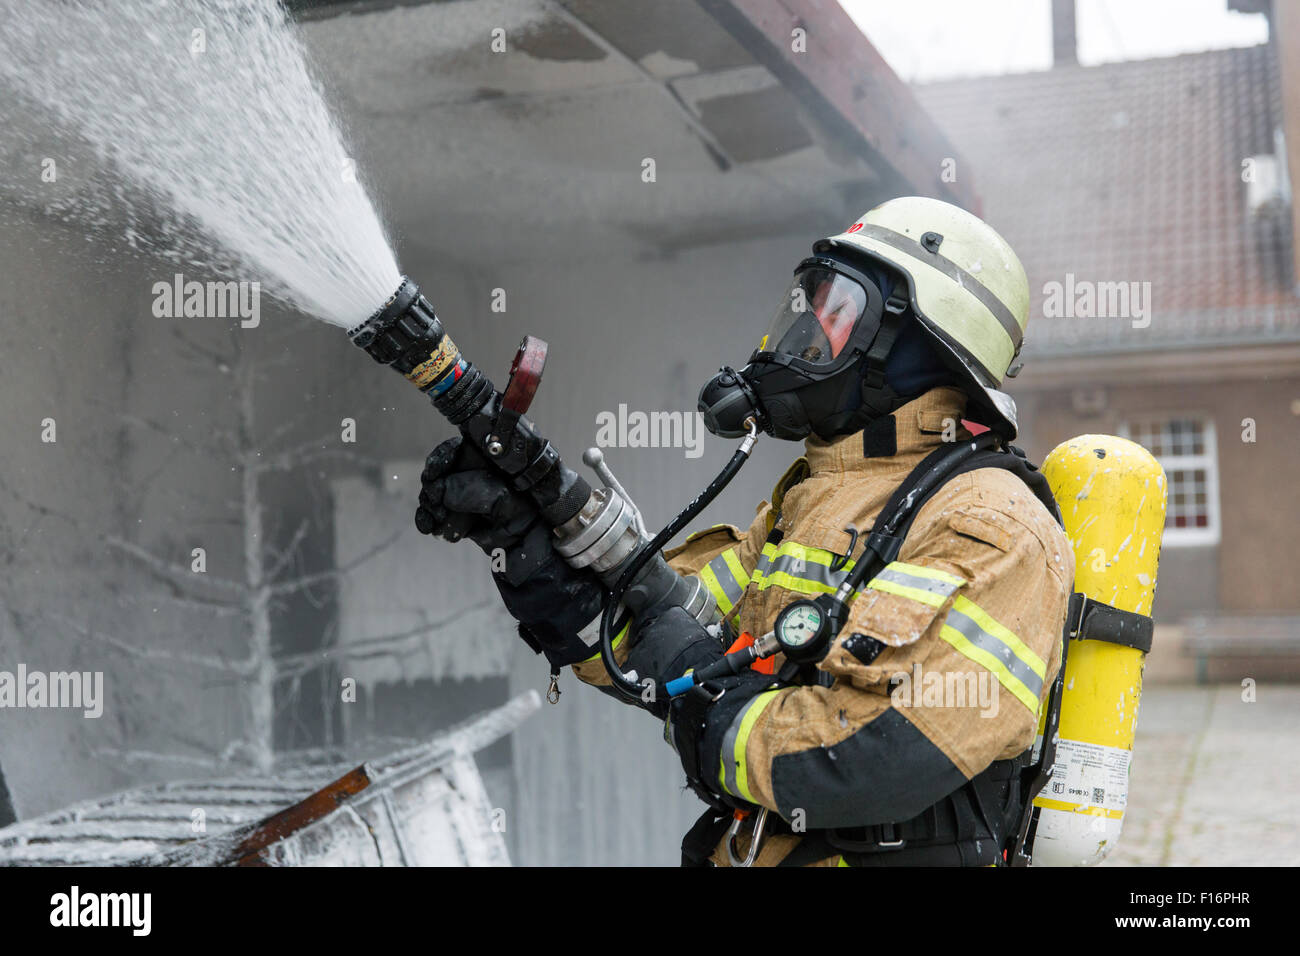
[(903, 745)]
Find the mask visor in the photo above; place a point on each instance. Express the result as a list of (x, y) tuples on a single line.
[(817, 317)]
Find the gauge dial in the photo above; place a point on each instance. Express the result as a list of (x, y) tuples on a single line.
[(799, 624)]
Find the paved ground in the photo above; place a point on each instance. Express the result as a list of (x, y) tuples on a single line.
[(1215, 779)]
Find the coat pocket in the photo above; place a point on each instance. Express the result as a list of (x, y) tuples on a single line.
[(882, 635), (700, 547), (984, 524)]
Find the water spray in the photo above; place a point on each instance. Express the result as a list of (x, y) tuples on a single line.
[(126, 80)]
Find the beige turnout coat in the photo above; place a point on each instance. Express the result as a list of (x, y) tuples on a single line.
[(970, 615)]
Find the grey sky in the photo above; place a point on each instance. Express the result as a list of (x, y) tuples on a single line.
[(935, 39)]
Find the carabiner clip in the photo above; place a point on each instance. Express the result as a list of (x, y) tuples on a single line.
[(754, 843), (839, 560)]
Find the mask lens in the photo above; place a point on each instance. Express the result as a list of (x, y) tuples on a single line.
[(817, 317)]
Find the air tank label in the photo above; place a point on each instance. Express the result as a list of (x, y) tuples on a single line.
[(1088, 775)]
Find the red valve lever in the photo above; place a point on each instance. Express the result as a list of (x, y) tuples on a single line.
[(525, 375)]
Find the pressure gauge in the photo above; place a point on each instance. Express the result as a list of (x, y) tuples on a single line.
[(801, 630)]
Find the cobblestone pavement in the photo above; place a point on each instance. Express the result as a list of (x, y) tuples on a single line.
[(1215, 779)]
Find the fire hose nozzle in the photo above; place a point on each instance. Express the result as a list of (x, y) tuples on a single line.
[(405, 333), (598, 529)]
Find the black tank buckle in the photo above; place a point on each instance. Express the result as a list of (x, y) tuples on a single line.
[(888, 839)]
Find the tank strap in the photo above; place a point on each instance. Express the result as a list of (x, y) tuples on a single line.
[(1010, 459), (1091, 620)]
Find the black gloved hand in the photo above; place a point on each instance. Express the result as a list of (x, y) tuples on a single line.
[(666, 647), (461, 495)]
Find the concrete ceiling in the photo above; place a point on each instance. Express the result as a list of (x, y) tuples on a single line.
[(536, 154), (542, 146)]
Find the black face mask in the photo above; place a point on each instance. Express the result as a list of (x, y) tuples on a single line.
[(821, 368), (789, 408)]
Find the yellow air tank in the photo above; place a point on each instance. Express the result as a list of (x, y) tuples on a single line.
[(1112, 494)]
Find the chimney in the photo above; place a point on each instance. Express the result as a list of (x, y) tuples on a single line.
[(1065, 47)]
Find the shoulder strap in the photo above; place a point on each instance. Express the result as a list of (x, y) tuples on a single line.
[(910, 496), (885, 539), (1092, 619)]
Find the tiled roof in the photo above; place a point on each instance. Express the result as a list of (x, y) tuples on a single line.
[(1132, 172)]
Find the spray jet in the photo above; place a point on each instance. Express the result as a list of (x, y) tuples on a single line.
[(598, 528)]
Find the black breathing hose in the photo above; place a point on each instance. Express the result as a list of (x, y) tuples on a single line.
[(621, 681)]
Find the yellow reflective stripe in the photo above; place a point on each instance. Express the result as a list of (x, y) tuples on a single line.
[(843, 862), (618, 639), (715, 588), (780, 579), (725, 579), (902, 590), (737, 569), (988, 661), (1018, 647), (928, 586), (737, 782), (764, 562)]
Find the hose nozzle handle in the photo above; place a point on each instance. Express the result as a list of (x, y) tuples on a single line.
[(525, 375)]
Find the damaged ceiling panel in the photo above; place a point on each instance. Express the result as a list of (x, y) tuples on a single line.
[(650, 126), (663, 33)]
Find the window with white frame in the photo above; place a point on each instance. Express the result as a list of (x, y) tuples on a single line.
[(1185, 447)]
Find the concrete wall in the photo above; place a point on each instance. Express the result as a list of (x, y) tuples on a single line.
[(593, 781), (77, 351), (143, 461)]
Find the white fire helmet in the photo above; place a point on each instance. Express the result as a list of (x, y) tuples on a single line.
[(967, 289)]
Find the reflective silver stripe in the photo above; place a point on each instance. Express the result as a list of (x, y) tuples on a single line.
[(726, 580), (728, 750), (932, 585), (953, 271), (992, 645), (797, 566)]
